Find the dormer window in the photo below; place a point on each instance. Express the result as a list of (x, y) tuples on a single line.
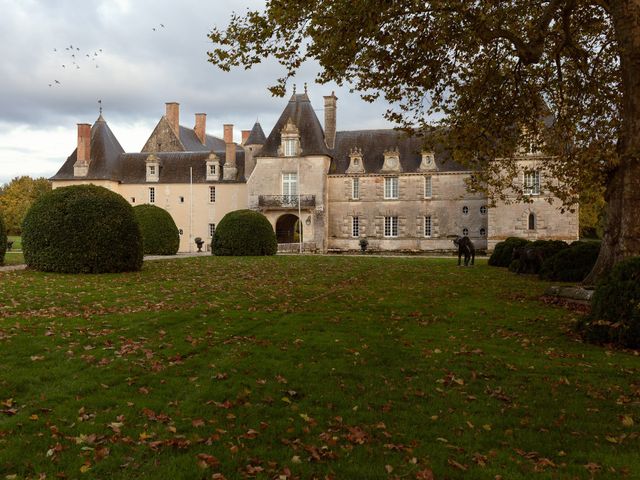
[(153, 168), (428, 161), (356, 164), (213, 168), (392, 160), (290, 146)]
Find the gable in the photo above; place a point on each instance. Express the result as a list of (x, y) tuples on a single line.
[(163, 139)]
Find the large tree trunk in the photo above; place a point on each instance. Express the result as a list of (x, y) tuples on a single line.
[(622, 232)]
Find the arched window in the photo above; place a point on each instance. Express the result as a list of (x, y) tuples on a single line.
[(532, 221)]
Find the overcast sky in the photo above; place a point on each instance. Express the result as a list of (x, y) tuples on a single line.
[(120, 59)]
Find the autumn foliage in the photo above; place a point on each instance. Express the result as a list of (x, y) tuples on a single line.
[(82, 229), (160, 234), (3, 241), (244, 232)]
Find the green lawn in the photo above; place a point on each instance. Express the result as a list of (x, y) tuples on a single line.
[(306, 367)]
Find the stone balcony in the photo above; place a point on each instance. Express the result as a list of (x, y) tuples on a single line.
[(285, 202)]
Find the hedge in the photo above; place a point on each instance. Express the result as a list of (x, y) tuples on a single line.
[(244, 232), (160, 235), (503, 251), (572, 264), (3, 241), (82, 229), (615, 307)]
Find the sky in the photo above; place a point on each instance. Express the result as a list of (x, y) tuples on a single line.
[(133, 69)]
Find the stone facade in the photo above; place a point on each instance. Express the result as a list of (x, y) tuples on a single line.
[(334, 187)]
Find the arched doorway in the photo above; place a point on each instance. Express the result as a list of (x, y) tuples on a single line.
[(288, 229)]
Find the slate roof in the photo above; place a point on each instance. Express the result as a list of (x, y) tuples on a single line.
[(192, 143), (298, 109), (110, 162), (256, 137), (105, 153), (174, 167), (374, 143)]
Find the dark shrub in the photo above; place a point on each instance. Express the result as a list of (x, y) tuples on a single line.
[(3, 241), (571, 264), (503, 252), (543, 249), (549, 248), (615, 307), (244, 232), (82, 229), (160, 235)]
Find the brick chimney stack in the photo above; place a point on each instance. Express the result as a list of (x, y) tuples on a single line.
[(173, 116), (230, 170), (330, 107), (201, 127), (245, 136), (83, 152)]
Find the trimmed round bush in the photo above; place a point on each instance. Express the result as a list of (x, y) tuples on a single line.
[(82, 229), (571, 264), (160, 234), (244, 232), (546, 248), (3, 241), (503, 252), (615, 307)]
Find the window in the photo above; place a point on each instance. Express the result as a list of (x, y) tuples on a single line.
[(532, 182), (355, 227), (289, 186), (212, 194), (483, 210), (133, 199), (465, 210), (427, 226), (390, 226), (289, 147), (483, 232), (427, 187), (391, 188), (152, 169), (465, 232), (355, 188), (152, 195), (212, 229), (532, 221), (212, 169), (181, 199)]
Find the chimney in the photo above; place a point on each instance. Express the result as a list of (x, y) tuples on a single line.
[(201, 127), (330, 120), (230, 170), (83, 153), (245, 136), (173, 116)]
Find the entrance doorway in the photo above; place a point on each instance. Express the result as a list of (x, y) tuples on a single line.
[(288, 229)]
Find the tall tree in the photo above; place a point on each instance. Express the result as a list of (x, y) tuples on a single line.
[(563, 74), (16, 198)]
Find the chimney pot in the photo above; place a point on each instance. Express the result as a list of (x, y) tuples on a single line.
[(173, 116), (201, 127)]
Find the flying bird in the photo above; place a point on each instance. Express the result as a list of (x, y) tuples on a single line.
[(63, 66), (57, 82), (154, 29), (162, 25)]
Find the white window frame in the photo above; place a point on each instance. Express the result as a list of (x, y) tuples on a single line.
[(152, 170), (212, 169), (428, 186), (289, 185), (531, 182), (390, 227), (355, 226), (212, 194), (289, 147), (428, 226), (391, 188), (152, 194), (355, 188), (212, 229)]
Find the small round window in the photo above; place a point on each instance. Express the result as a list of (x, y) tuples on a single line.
[(483, 232), (483, 209), (465, 232), (465, 210)]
